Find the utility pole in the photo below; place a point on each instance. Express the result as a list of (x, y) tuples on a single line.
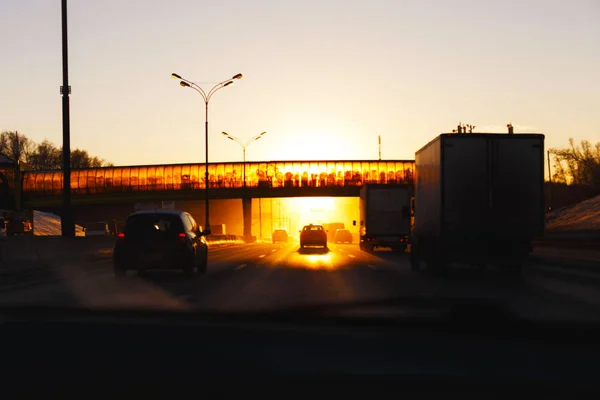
[(549, 183), (18, 186), (379, 139), (67, 224)]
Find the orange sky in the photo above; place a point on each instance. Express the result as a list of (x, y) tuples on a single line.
[(322, 78)]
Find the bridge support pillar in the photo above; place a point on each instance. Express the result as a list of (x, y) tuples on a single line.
[(247, 213)]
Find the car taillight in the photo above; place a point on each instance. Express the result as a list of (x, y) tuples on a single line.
[(121, 235), (181, 235)]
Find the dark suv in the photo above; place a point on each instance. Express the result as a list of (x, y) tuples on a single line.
[(161, 239)]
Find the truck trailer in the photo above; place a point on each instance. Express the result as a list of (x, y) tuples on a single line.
[(385, 216), (479, 200)]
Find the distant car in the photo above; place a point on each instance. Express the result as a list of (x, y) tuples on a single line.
[(97, 229), (313, 235), (280, 235), (161, 239), (342, 236)]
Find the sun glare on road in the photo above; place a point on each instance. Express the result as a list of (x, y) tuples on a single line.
[(318, 261)]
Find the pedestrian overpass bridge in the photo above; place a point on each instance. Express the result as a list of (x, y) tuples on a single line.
[(143, 183)]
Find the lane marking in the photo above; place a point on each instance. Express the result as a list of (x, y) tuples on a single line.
[(274, 250), (351, 255), (371, 266), (241, 266), (261, 256)]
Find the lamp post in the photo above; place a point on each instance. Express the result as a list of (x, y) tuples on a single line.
[(206, 97), (66, 222), (244, 146)]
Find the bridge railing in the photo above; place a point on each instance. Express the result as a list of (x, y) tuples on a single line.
[(224, 175)]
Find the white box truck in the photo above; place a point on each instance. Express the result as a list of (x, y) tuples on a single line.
[(479, 200), (384, 216)]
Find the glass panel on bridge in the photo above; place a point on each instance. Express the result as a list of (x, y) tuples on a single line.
[(277, 174)]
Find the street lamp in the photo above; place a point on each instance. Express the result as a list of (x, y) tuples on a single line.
[(244, 193), (206, 97), (244, 146)]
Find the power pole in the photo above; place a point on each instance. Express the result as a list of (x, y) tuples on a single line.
[(379, 139), (549, 183), (67, 224), (18, 186)]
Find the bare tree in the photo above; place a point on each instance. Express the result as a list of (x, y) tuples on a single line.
[(45, 155), (81, 159), (578, 165), (16, 146)]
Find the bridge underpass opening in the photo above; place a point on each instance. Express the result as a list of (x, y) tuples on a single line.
[(227, 216), (292, 213)]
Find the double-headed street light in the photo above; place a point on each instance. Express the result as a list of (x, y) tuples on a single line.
[(244, 146), (206, 97)]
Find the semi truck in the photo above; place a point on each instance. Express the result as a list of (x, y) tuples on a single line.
[(384, 216), (479, 200)]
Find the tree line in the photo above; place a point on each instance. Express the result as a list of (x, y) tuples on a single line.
[(44, 155), (577, 165), (575, 173)]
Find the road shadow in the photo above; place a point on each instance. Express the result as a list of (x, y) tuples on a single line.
[(390, 255), (490, 276), (313, 250), (177, 276)]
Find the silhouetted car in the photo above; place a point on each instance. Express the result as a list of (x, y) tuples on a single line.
[(280, 235), (342, 236), (161, 239), (313, 235)]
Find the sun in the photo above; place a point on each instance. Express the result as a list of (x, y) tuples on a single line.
[(313, 210)]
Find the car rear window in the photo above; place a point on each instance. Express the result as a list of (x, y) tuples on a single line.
[(146, 224), (313, 228)]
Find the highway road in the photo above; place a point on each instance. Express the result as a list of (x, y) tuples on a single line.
[(275, 276)]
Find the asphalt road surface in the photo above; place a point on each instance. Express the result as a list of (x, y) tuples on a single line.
[(276, 276)]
